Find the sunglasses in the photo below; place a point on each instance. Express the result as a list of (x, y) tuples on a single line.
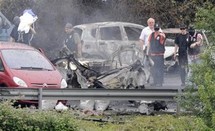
[(182, 28)]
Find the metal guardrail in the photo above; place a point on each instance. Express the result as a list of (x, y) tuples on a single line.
[(86, 94)]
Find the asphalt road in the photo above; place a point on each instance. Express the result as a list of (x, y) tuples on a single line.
[(171, 81)]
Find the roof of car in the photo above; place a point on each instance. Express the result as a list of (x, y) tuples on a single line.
[(13, 45), (111, 23)]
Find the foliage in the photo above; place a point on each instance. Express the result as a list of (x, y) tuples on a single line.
[(148, 123), (202, 102), (27, 120), (12, 119), (205, 18), (11, 8)]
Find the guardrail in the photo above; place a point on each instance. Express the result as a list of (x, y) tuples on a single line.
[(86, 94)]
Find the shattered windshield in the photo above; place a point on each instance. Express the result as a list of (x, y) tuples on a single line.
[(26, 59)]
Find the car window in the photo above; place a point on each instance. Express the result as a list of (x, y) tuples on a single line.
[(1, 66), (110, 33), (133, 33), (18, 59)]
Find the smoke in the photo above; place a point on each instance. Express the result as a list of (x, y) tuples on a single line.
[(54, 14)]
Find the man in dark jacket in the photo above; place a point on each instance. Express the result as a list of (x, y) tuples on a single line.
[(72, 40), (181, 46)]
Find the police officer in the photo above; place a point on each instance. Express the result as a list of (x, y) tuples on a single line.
[(156, 51)]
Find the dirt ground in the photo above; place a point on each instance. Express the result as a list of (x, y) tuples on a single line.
[(171, 81)]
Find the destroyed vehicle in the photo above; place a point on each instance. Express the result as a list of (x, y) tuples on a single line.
[(102, 40), (79, 75), (112, 45)]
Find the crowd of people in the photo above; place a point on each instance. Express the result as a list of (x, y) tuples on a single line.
[(152, 40), (187, 48)]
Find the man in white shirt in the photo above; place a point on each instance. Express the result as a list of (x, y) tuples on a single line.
[(146, 32)]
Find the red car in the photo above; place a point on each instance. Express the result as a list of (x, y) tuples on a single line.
[(24, 66)]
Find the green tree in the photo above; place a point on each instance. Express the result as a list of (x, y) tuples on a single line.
[(11, 8), (202, 101)]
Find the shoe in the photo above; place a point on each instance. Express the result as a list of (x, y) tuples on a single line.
[(183, 84)]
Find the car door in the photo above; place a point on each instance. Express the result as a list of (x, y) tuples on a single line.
[(132, 52), (110, 38), (133, 34)]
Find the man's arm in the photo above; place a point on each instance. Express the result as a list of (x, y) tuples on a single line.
[(148, 45), (32, 30), (77, 40), (142, 44), (163, 37), (141, 40), (176, 47), (175, 51)]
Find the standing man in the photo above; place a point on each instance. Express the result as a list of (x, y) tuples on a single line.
[(146, 32), (195, 44), (144, 37), (195, 47), (72, 40), (156, 49), (181, 46)]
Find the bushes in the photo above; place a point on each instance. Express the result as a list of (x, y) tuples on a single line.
[(33, 120), (202, 102), (149, 123), (27, 120)]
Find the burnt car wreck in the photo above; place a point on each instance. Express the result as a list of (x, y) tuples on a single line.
[(77, 72), (80, 74), (111, 59)]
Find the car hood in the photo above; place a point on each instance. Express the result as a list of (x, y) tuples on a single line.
[(38, 77)]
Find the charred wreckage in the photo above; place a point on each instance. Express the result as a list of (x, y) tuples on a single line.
[(109, 74), (111, 58)]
